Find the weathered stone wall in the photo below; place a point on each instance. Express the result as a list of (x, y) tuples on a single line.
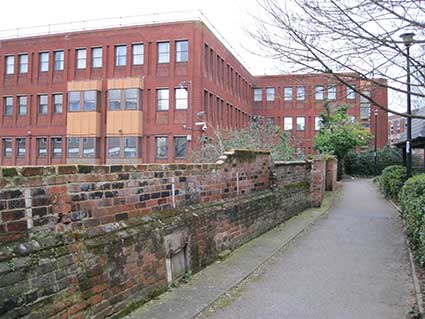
[(331, 173), (93, 240)]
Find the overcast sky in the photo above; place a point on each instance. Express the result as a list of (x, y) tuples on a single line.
[(231, 18)]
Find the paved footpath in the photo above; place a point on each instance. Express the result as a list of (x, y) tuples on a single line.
[(352, 264)]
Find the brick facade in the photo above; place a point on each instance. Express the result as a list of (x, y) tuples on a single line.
[(116, 96)]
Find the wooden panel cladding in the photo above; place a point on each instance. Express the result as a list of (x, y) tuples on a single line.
[(125, 83), (126, 122), (90, 85), (83, 124)]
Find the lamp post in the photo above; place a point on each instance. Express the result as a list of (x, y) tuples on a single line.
[(408, 41), (375, 154)]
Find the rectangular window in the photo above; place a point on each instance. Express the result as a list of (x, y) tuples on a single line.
[(182, 51), (22, 105), (73, 147), (114, 147), (138, 53), (288, 94), (96, 57), (23, 63), (318, 92), (258, 95), (162, 96), (180, 147), (364, 106), (114, 100), (130, 147), (120, 55), (131, 99), (21, 147), (332, 92), (59, 60), (81, 58), (41, 147), (351, 94), (43, 104), (181, 99), (353, 119), (89, 147), (44, 61), (90, 101), (317, 123), (57, 103), (10, 64), (270, 93), (300, 93), (7, 147), (300, 123), (163, 52), (56, 147), (74, 101), (162, 147), (8, 106), (287, 123)]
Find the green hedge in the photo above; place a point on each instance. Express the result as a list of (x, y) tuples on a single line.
[(392, 180), (412, 201), (363, 164)]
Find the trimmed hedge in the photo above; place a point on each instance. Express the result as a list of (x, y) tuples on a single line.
[(363, 164), (412, 201), (392, 180)]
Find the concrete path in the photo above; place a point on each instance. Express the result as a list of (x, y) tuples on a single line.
[(352, 264)]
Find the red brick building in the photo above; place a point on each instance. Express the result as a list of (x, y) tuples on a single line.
[(397, 126), (147, 94)]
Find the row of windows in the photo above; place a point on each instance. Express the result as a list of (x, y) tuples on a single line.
[(300, 123), (81, 56), (319, 93), (126, 99), (41, 144)]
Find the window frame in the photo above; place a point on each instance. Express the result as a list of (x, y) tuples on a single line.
[(37, 143), (296, 123), (43, 64), (61, 62), (78, 140), (184, 54), (20, 97), (53, 143), (158, 109), (175, 138), (180, 99), (134, 56), (319, 92), (82, 101), (9, 66), (270, 97), (288, 97), (18, 149), (257, 97), (161, 53), (8, 108), (317, 123), (351, 93), (80, 61), (3, 143), (118, 62), (21, 69), (40, 111), (96, 58), (300, 93), (157, 138), (55, 109), (285, 124), (331, 92)]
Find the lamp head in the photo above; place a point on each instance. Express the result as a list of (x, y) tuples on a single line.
[(407, 38)]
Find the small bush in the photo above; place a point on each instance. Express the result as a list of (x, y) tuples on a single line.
[(363, 164), (412, 201), (392, 180)]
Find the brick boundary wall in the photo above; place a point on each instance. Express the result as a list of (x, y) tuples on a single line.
[(90, 241)]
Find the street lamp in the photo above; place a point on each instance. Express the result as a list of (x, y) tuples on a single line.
[(375, 154), (408, 41)]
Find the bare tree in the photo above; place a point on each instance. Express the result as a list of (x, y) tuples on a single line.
[(347, 39)]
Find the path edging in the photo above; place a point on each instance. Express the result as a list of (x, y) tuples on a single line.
[(418, 291)]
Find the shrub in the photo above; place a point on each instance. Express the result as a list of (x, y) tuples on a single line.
[(412, 201), (392, 180), (363, 164)]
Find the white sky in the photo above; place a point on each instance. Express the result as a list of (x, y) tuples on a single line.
[(231, 18)]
